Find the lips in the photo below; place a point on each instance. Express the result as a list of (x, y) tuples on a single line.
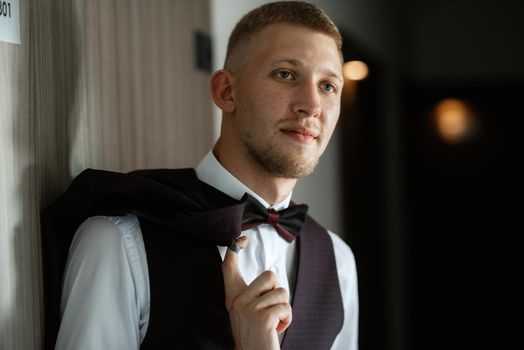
[(301, 134), (301, 131)]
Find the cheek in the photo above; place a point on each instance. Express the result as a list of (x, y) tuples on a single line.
[(331, 115), (268, 108), (270, 98)]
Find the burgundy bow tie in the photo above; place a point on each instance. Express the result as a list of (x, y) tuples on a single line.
[(287, 222)]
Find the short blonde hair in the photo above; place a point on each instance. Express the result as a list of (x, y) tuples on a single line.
[(292, 12)]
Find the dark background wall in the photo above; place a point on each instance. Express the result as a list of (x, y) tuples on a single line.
[(434, 225), (465, 260)]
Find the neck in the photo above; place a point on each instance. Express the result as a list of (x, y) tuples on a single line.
[(271, 188)]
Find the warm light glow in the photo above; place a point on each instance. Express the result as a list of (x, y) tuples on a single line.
[(355, 70), (454, 120)]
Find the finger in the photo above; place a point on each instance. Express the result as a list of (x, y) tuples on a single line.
[(281, 315), (272, 269), (264, 283), (234, 284), (273, 297)]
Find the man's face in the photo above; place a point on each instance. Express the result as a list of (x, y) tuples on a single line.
[(287, 98)]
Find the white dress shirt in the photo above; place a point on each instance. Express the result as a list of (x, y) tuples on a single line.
[(105, 298)]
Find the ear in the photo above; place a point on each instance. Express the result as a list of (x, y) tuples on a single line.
[(221, 87)]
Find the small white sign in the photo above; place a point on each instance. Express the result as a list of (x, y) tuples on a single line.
[(10, 21)]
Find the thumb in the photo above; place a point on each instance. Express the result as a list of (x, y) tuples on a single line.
[(234, 284)]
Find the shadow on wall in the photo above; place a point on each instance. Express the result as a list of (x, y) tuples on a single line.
[(43, 134)]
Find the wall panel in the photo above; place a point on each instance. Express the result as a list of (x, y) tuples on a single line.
[(105, 84)]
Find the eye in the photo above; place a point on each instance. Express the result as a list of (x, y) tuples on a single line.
[(284, 75), (328, 87)]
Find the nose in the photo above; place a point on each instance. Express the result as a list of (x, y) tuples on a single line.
[(307, 101)]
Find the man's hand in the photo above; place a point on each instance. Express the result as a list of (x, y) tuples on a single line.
[(258, 312)]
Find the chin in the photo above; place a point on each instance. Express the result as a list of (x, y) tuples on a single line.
[(298, 167)]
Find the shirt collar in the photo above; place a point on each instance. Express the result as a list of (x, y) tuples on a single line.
[(213, 173)]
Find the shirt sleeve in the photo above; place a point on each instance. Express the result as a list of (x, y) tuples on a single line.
[(105, 288), (347, 338)]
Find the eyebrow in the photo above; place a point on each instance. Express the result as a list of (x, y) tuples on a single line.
[(298, 63)]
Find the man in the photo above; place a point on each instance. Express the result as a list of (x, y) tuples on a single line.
[(148, 276)]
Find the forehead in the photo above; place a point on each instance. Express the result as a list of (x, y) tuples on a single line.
[(284, 41)]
